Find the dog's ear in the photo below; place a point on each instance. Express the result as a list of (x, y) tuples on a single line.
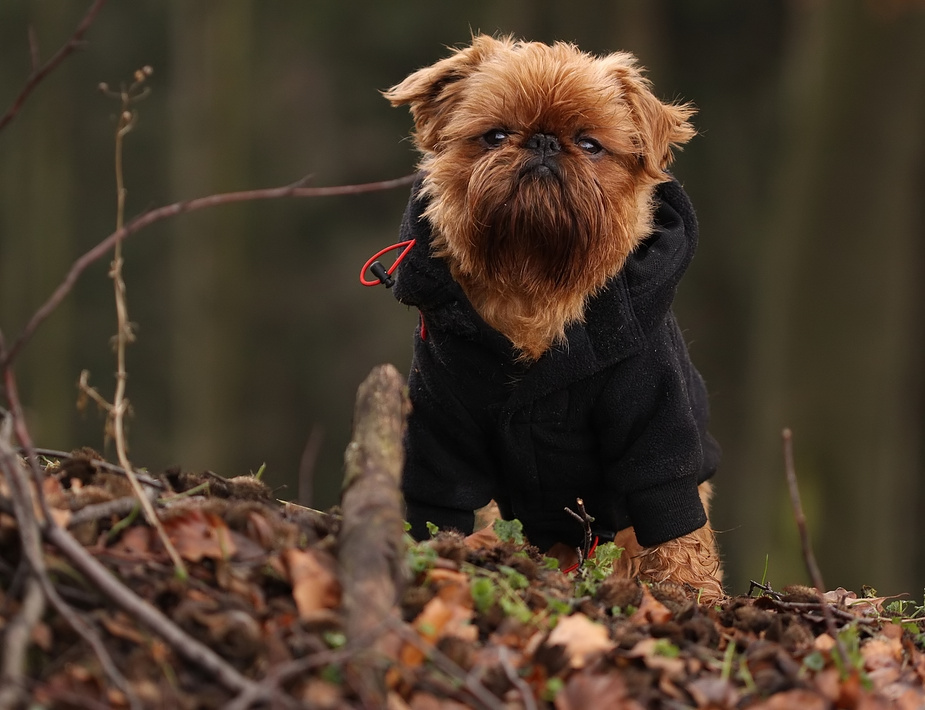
[(659, 126), (432, 91)]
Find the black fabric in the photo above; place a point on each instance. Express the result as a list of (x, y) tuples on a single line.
[(616, 416)]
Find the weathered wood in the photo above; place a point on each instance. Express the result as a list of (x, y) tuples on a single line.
[(371, 537)]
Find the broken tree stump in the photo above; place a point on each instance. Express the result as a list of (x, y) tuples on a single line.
[(370, 544)]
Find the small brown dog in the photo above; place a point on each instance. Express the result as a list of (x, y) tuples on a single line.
[(548, 365)]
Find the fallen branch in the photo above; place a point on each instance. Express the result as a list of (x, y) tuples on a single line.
[(39, 73), (371, 536)]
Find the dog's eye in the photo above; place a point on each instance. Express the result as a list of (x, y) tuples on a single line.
[(494, 137), (589, 146)]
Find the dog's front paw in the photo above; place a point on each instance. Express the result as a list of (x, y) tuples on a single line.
[(691, 560)]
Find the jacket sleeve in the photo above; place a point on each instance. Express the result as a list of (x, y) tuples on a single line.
[(653, 438), (448, 472)]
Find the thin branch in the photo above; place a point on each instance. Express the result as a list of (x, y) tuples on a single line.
[(17, 638), (34, 54), (526, 694), (181, 642), (118, 507), (98, 464), (39, 73), (270, 687), (29, 531), (307, 464), (444, 663), (177, 208), (808, 556), (585, 521), (124, 336)]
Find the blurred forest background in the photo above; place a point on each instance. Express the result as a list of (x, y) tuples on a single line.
[(804, 306)]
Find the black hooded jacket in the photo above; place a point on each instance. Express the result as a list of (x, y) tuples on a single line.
[(616, 416)]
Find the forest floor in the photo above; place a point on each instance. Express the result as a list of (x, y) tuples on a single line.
[(495, 626)]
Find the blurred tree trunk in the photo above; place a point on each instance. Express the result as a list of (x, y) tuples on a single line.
[(37, 235), (211, 46), (836, 348)]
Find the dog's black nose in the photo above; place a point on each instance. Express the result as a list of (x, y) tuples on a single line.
[(544, 144)]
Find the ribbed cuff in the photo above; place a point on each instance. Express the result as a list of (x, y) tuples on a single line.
[(666, 512)]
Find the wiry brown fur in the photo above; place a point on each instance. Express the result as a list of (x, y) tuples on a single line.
[(691, 559), (532, 237), (531, 247)]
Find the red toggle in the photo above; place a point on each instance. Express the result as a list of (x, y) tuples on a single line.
[(407, 247)]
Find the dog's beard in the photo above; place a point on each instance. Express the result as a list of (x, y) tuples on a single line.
[(533, 232)]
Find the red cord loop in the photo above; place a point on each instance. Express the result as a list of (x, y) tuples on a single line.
[(572, 568), (382, 275)]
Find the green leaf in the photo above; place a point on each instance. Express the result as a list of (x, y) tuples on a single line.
[(334, 639), (814, 661), (552, 689), (484, 594), (550, 563), (605, 555), (515, 608), (420, 557), (664, 647), (509, 531), (432, 529), (514, 578)]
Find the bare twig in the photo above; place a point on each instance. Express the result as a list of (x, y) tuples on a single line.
[(808, 556), (268, 689), (16, 639), (97, 464), (177, 208), (307, 465), (29, 531), (585, 521), (39, 73), (526, 694), (119, 408), (479, 692), (98, 511), (181, 642)]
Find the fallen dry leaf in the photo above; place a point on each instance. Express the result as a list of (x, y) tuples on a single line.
[(444, 615), (484, 538), (314, 585), (713, 692), (133, 542), (582, 639), (197, 535), (880, 652), (793, 699), (650, 610), (600, 692), (648, 651)]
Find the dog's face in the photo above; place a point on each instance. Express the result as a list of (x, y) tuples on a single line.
[(541, 160)]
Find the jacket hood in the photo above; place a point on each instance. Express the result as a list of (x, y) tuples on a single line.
[(634, 301)]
